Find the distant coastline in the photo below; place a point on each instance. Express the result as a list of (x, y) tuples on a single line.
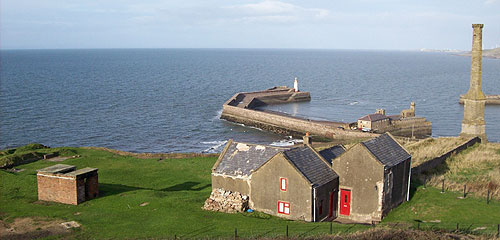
[(487, 53)]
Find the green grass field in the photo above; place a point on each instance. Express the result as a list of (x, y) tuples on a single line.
[(176, 190)]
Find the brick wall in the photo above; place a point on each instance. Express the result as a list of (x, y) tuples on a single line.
[(57, 188), (92, 187)]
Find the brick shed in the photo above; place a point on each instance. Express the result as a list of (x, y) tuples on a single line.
[(64, 184)]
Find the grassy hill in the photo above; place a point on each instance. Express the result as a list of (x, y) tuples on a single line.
[(172, 192), (477, 167)]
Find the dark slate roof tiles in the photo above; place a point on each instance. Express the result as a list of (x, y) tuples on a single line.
[(310, 165), (331, 153), (386, 150)]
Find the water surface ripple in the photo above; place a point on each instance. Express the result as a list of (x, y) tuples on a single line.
[(169, 100)]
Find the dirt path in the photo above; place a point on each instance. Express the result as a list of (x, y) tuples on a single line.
[(31, 228)]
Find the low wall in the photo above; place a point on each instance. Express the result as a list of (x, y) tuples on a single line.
[(288, 125), (433, 163)]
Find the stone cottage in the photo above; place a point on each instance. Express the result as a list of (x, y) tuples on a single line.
[(374, 177), (361, 184), (64, 184), (375, 121), (233, 169), (294, 183)]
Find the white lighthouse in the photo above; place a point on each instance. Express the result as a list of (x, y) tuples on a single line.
[(296, 84)]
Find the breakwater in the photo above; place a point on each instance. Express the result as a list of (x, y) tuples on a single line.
[(490, 99), (241, 109)]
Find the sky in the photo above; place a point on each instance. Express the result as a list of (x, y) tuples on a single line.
[(318, 24)]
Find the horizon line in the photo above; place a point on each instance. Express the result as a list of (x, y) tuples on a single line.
[(223, 48)]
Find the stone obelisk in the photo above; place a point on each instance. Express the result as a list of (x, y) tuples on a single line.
[(474, 100)]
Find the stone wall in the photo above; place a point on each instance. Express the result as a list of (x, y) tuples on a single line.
[(416, 126), (221, 200), (287, 124), (433, 163)]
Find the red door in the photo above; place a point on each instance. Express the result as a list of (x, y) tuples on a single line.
[(345, 202), (330, 210)]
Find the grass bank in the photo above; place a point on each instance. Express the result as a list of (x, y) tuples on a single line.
[(172, 192), (477, 167)]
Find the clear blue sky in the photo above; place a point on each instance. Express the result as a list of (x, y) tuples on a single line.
[(332, 24)]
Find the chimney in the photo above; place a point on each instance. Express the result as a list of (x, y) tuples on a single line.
[(380, 111), (307, 139)]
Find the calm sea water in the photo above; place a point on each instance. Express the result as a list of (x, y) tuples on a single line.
[(169, 100)]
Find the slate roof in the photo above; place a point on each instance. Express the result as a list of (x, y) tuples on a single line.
[(310, 165), (331, 153), (394, 117), (386, 150), (373, 117), (241, 159)]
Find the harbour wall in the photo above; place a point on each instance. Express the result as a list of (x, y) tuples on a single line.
[(289, 125), (243, 108), (490, 99), (417, 127)]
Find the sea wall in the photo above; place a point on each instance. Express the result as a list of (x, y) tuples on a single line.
[(490, 99), (433, 163), (417, 127), (283, 124), (241, 108)]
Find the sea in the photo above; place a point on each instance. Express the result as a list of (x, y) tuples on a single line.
[(170, 100)]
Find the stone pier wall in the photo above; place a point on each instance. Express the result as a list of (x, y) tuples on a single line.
[(288, 125), (418, 127)]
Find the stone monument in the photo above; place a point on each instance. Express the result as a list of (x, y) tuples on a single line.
[(474, 100)]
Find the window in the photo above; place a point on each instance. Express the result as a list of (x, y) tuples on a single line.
[(284, 207), (283, 184)]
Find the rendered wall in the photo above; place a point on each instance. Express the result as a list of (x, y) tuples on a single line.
[(231, 184), (265, 190), (362, 174)]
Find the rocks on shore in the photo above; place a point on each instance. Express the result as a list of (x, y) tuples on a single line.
[(221, 200)]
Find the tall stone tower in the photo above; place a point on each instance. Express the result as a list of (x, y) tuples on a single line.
[(474, 100)]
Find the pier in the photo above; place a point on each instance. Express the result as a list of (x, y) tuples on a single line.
[(490, 99), (244, 108)]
